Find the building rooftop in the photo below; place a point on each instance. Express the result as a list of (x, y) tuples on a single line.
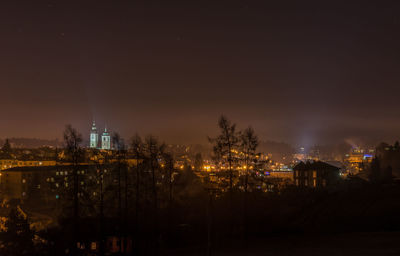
[(314, 165), (43, 168)]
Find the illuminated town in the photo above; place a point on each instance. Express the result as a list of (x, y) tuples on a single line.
[(42, 180), (199, 128), (266, 174)]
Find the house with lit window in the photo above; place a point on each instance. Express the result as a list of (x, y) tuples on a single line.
[(315, 174)]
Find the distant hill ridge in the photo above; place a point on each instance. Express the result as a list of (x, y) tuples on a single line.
[(31, 142)]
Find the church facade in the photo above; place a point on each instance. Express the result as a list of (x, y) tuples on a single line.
[(94, 138), (105, 140)]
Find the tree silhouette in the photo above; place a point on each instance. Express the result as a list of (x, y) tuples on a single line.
[(75, 153), (198, 162), (248, 144), (375, 170), (6, 149), (225, 143), (137, 148), (17, 239), (153, 151), (224, 146), (122, 173)]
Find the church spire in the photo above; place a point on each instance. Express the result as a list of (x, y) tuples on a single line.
[(94, 136), (94, 126), (105, 139)]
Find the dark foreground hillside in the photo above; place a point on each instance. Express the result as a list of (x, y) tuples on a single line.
[(353, 219), (350, 244)]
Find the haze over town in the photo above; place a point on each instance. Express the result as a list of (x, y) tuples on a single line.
[(311, 73)]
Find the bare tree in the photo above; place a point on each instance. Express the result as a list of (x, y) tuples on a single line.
[(224, 147), (248, 144), (225, 144), (120, 154), (153, 152), (101, 193), (138, 154), (74, 151), (169, 167)]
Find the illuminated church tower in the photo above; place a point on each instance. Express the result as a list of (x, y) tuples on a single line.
[(106, 140), (94, 136)]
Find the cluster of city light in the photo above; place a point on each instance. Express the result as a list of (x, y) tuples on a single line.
[(208, 167)]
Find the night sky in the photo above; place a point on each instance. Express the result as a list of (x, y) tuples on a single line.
[(302, 72)]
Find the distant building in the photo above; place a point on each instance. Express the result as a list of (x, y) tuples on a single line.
[(358, 159), (105, 140), (11, 163), (114, 245), (39, 183), (46, 184), (315, 174), (300, 155), (94, 137)]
